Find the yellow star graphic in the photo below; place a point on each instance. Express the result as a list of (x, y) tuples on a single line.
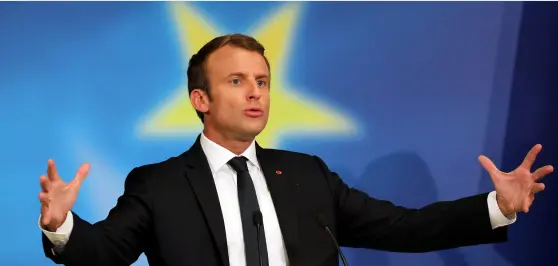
[(291, 113)]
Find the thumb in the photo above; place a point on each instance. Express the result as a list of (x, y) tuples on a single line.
[(487, 164), (81, 175), (46, 219), (45, 214)]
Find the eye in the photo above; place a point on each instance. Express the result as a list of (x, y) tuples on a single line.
[(261, 83), (235, 81)]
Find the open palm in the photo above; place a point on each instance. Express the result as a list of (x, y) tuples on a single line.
[(58, 197), (515, 191)]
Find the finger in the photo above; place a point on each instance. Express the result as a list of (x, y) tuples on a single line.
[(81, 175), (44, 198), (52, 171), (542, 172), (531, 156), (528, 201), (488, 164), (538, 187), (45, 183)]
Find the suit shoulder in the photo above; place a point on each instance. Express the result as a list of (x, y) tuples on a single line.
[(156, 169), (287, 154), (293, 156)]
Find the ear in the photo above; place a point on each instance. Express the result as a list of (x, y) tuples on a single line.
[(200, 100)]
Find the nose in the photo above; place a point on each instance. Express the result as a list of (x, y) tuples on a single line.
[(254, 91)]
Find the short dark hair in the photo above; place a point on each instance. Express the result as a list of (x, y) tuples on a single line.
[(197, 75)]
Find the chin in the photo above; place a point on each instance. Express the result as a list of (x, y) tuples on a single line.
[(253, 130), (247, 136)]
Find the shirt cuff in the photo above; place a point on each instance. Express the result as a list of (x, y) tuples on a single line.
[(497, 219), (62, 234)]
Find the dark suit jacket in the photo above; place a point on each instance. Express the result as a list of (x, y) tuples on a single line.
[(170, 211)]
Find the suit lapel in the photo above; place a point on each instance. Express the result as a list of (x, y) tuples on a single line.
[(282, 186), (201, 179)]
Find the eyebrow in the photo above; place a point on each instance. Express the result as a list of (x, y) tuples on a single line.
[(240, 74)]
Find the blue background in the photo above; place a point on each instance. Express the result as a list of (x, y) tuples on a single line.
[(431, 85)]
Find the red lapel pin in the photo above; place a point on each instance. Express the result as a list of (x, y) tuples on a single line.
[(278, 172)]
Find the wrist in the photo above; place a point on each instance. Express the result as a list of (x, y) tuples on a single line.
[(507, 212), (54, 226), (51, 227)]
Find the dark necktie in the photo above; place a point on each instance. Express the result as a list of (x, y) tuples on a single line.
[(248, 202)]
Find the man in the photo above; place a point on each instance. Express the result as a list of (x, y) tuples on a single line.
[(227, 201)]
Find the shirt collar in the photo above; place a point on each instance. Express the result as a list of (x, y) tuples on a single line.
[(218, 156)]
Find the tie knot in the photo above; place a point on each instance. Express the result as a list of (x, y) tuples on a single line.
[(239, 164)]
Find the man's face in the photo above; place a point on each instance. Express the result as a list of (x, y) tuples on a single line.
[(239, 89)]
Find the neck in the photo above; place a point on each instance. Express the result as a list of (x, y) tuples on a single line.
[(235, 145)]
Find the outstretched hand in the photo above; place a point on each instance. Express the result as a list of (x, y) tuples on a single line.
[(58, 197), (515, 191)]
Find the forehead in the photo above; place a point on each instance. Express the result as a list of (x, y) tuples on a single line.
[(230, 59)]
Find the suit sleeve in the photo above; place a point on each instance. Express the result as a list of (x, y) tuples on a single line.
[(366, 222), (119, 239)]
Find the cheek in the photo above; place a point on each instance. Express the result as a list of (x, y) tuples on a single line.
[(266, 99), (226, 106)]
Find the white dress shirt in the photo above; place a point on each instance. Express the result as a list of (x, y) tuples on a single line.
[(225, 182)]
